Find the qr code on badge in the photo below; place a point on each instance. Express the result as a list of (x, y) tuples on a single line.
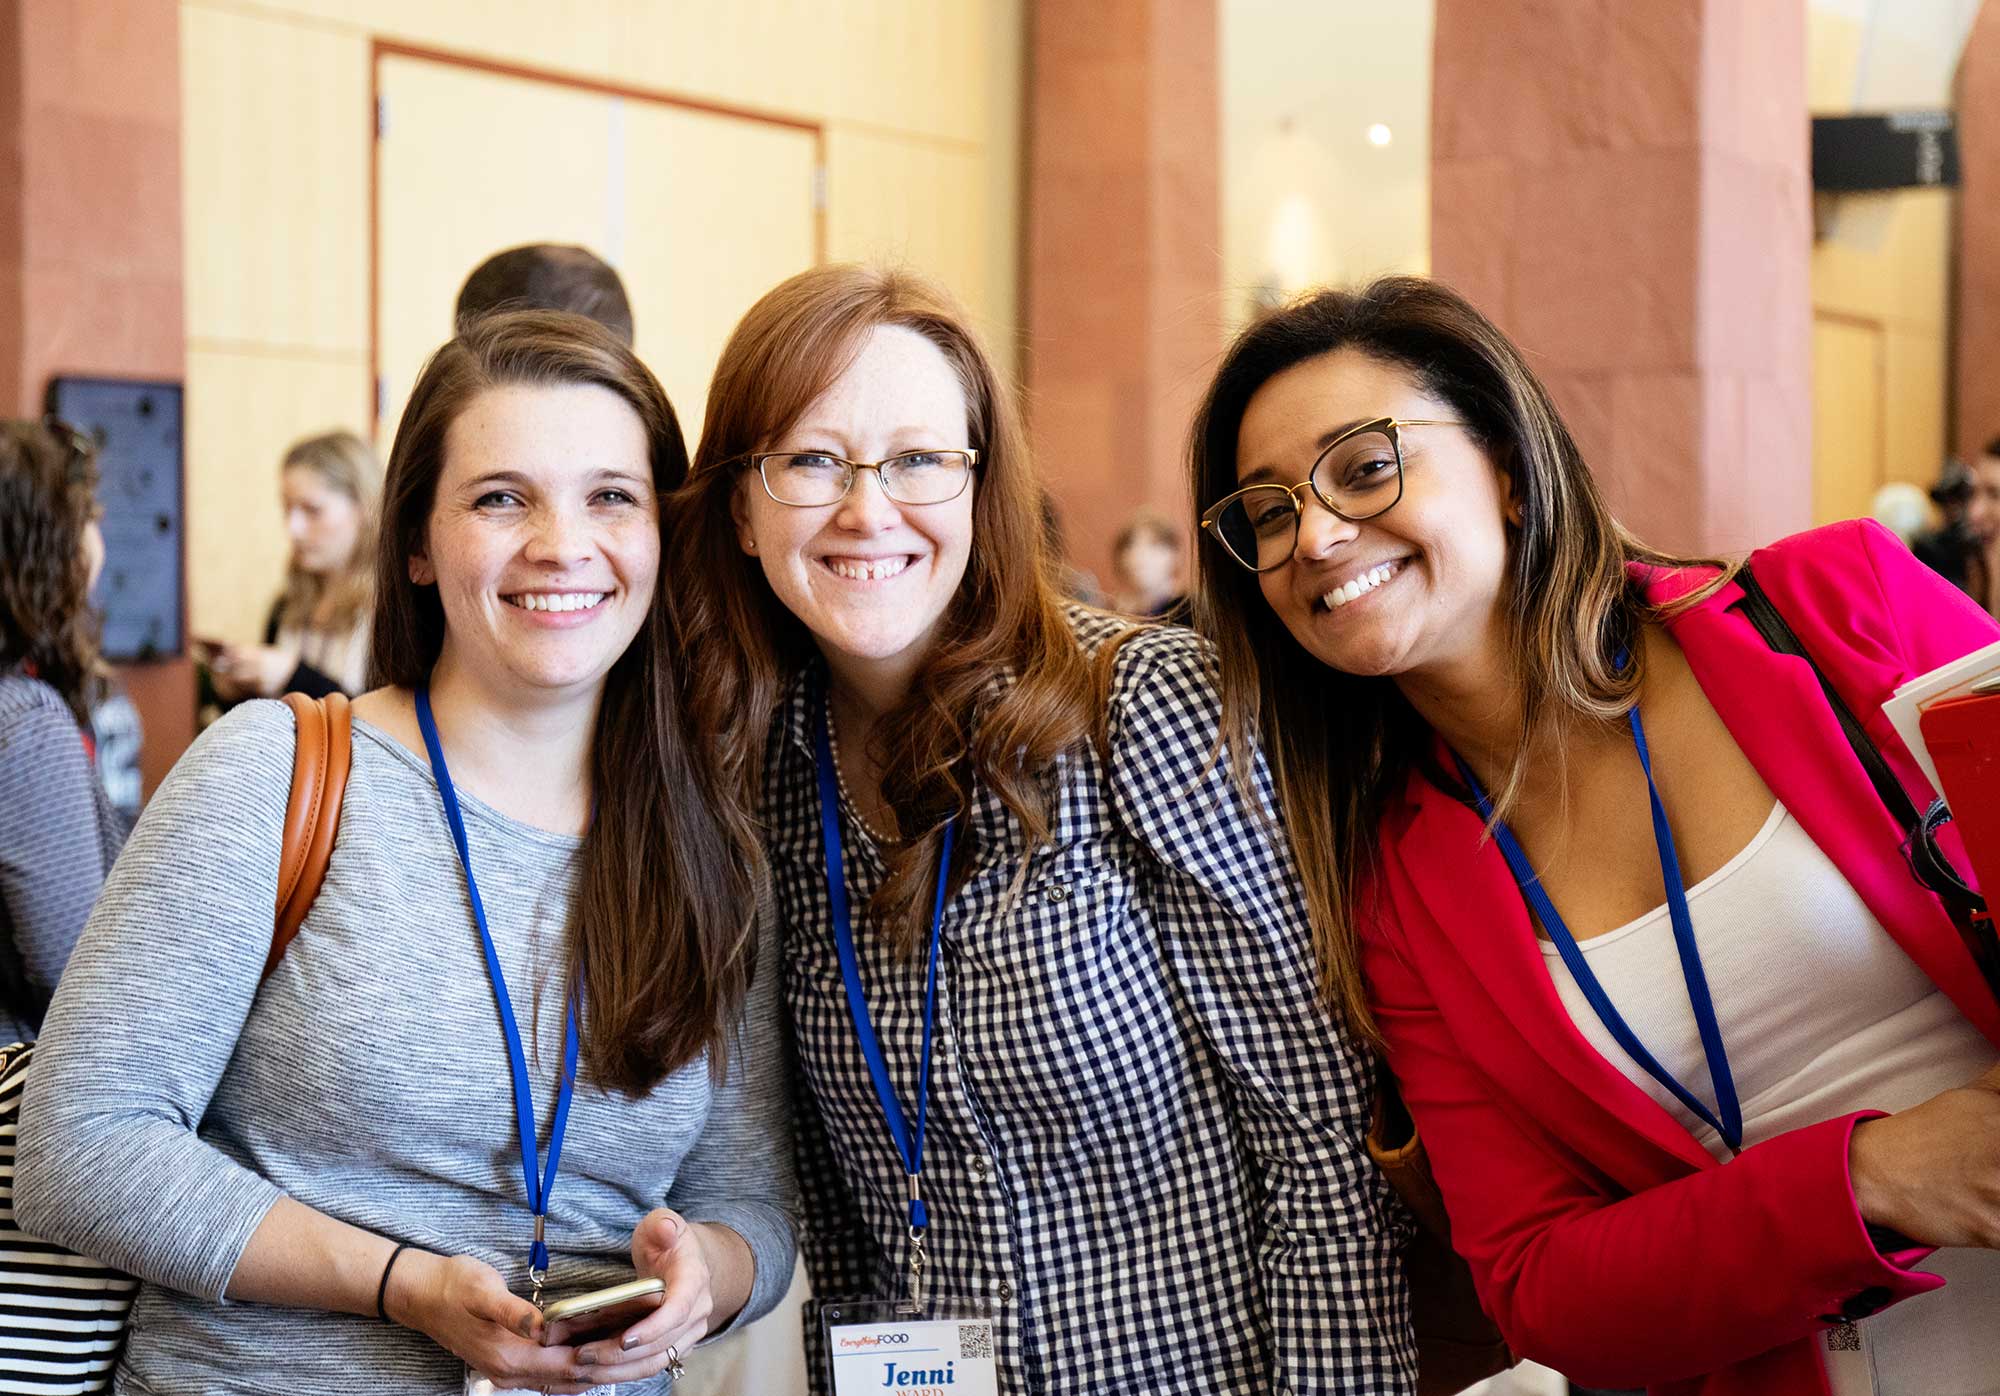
[(975, 1340), (1843, 1338)]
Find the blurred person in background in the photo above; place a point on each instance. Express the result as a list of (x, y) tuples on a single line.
[(1982, 518), (1950, 549), (1150, 557), (548, 276), (1903, 509), (58, 830), (316, 639), (120, 735)]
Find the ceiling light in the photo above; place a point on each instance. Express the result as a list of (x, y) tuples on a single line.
[(1378, 134)]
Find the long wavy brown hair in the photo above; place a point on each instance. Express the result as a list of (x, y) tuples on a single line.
[(337, 601), (956, 728), (660, 932), (1342, 746), (48, 494)]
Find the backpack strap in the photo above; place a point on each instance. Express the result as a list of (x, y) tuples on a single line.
[(320, 762)]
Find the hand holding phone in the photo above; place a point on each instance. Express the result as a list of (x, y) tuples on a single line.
[(581, 1318)]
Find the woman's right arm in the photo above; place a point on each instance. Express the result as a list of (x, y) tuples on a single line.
[(1679, 1279), (143, 1025)]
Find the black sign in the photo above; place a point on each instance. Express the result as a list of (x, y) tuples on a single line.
[(1902, 150), (137, 427)]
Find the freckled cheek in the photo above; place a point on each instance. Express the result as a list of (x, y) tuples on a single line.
[(467, 565)]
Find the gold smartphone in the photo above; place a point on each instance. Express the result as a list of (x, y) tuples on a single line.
[(582, 1317)]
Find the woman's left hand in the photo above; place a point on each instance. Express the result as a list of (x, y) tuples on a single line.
[(668, 1247), (251, 671)]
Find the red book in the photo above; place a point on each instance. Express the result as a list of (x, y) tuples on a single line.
[(1963, 735)]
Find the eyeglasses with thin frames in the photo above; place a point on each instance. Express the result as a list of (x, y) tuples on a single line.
[(812, 479), (1357, 476)]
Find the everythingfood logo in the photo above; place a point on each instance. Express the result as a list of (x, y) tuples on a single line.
[(868, 1341)]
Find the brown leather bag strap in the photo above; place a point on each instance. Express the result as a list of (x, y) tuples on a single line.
[(320, 763)]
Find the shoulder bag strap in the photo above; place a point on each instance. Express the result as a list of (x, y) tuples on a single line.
[(320, 762), (1758, 609), (1927, 863)]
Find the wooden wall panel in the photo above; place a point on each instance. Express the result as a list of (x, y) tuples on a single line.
[(473, 162), (923, 203), (572, 34), (275, 155), (695, 263), (243, 410), (1848, 413)]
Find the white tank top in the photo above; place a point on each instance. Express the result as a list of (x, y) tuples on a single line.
[(1822, 1013)]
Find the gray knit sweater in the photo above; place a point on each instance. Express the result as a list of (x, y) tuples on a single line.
[(58, 835), (173, 1100)]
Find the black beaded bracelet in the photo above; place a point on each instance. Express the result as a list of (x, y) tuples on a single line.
[(382, 1290)]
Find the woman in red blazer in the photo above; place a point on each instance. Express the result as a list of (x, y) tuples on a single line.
[(1419, 601)]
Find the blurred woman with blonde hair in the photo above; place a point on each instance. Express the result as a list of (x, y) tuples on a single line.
[(316, 638)]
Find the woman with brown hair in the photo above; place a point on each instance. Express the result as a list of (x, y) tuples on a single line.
[(58, 830), (347, 1175), (316, 638), (1661, 1174), (1028, 923)]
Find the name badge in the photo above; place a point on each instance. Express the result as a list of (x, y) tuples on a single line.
[(1850, 1361), (479, 1384), (872, 1351)]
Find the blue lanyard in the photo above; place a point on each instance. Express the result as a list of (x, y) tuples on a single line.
[(517, 1059), (909, 1142), (1730, 1125)]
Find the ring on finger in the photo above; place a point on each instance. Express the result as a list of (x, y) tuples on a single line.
[(674, 1367)]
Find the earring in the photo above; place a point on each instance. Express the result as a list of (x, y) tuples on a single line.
[(750, 545)]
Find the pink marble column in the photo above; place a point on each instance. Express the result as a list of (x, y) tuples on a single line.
[(1122, 267), (1976, 312), (1624, 188), (90, 233)]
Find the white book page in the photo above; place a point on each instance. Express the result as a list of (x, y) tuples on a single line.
[(1955, 680)]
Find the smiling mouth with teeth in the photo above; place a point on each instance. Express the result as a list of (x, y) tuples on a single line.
[(1359, 586), (556, 601), (856, 569)]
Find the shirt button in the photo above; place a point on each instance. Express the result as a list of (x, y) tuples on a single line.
[(977, 1168), (1003, 1290), (1058, 892)]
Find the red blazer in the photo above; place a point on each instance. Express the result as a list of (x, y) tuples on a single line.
[(1605, 1241)]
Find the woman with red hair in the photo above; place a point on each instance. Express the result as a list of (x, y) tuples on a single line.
[(1029, 922)]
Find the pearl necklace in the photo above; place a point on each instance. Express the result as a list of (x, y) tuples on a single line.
[(840, 781)]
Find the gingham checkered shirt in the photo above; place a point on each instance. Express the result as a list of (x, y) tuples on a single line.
[(1145, 1136)]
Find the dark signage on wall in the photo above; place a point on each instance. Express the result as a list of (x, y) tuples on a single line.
[(137, 428), (1899, 150)]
